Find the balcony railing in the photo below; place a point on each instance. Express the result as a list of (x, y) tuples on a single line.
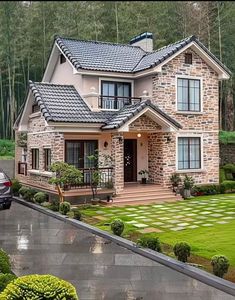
[(22, 168), (105, 175), (116, 102)]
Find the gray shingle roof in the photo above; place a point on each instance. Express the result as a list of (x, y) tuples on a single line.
[(102, 56), (62, 103), (129, 111)]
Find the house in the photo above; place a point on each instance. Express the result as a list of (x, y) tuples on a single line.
[(146, 109)]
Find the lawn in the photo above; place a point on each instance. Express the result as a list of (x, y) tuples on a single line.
[(206, 223)]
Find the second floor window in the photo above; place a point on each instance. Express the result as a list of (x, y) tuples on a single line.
[(35, 159), (188, 95), (47, 159), (114, 95)]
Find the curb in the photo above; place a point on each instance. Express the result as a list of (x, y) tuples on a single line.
[(200, 275)]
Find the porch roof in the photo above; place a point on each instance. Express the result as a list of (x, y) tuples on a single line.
[(130, 111)]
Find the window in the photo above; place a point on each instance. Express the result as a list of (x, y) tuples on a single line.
[(47, 159), (35, 159), (77, 152), (188, 95), (189, 153), (114, 95), (62, 59), (24, 155), (188, 58)]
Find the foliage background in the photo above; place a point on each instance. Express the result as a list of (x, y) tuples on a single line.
[(27, 30)]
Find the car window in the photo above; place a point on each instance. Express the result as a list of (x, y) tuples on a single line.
[(2, 176)]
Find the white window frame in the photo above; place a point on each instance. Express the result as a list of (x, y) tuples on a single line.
[(131, 81), (191, 112), (202, 158)]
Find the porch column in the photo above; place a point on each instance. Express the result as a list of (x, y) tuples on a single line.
[(118, 161)]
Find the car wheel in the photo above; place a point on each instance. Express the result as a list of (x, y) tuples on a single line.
[(7, 205)]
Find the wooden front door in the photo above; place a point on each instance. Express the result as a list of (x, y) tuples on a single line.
[(130, 160)]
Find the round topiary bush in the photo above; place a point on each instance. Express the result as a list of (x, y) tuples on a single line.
[(5, 265), (77, 214), (152, 243), (220, 265), (39, 287), (182, 251), (64, 208), (40, 197), (23, 190), (5, 279), (117, 227)]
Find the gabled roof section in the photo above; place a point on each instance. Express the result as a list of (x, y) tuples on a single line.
[(130, 111), (62, 103), (111, 57), (100, 56)]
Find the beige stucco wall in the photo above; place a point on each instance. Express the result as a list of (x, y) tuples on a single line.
[(143, 84)]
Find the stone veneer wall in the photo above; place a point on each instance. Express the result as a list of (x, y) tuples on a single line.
[(40, 137), (206, 123), (117, 154), (144, 123)]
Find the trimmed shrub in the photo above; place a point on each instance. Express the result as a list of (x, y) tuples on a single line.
[(151, 243), (46, 204), (55, 204), (70, 214), (77, 214), (182, 251), (64, 208), (228, 185), (27, 193), (39, 287), (207, 189), (40, 197), (220, 265), (5, 265), (23, 190), (222, 176), (117, 227), (5, 279), (16, 186)]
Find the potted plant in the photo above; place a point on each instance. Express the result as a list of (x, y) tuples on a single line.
[(143, 173), (188, 185), (175, 181)]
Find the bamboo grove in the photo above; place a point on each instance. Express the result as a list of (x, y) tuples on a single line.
[(27, 30)]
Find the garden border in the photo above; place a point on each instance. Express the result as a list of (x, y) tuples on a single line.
[(200, 275)]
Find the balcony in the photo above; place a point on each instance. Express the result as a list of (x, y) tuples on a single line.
[(116, 102)]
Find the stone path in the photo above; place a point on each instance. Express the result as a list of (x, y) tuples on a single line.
[(188, 214), (99, 269)]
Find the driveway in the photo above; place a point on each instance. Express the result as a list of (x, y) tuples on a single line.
[(98, 268)]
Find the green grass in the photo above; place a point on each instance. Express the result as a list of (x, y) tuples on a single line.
[(206, 212), (7, 149)]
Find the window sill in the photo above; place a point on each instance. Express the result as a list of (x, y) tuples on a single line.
[(189, 112), (191, 171), (41, 173)]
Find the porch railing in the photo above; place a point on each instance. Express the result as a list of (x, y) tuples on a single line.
[(105, 175), (22, 168), (116, 102)]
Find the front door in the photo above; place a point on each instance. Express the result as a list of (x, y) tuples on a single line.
[(130, 160)]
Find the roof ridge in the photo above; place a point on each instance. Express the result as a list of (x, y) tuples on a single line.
[(55, 84), (100, 42)]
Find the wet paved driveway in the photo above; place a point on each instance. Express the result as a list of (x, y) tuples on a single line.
[(99, 269)]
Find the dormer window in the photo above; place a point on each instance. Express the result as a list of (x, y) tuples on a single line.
[(188, 58), (114, 94), (62, 59)]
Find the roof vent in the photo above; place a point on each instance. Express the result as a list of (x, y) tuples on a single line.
[(144, 41)]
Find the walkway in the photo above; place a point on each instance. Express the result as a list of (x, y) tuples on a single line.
[(99, 269)]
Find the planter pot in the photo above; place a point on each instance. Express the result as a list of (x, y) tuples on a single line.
[(186, 194), (144, 180)]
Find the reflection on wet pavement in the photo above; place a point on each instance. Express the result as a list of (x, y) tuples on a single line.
[(99, 269)]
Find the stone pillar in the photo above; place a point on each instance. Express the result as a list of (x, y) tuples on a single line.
[(118, 161)]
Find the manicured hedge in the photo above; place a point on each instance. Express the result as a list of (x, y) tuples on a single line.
[(38, 287)]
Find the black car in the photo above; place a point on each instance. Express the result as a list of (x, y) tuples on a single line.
[(5, 191)]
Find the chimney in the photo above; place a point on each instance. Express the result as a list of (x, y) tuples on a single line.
[(144, 41)]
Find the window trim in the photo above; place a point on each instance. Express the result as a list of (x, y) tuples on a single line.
[(191, 112), (201, 153), (35, 165)]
